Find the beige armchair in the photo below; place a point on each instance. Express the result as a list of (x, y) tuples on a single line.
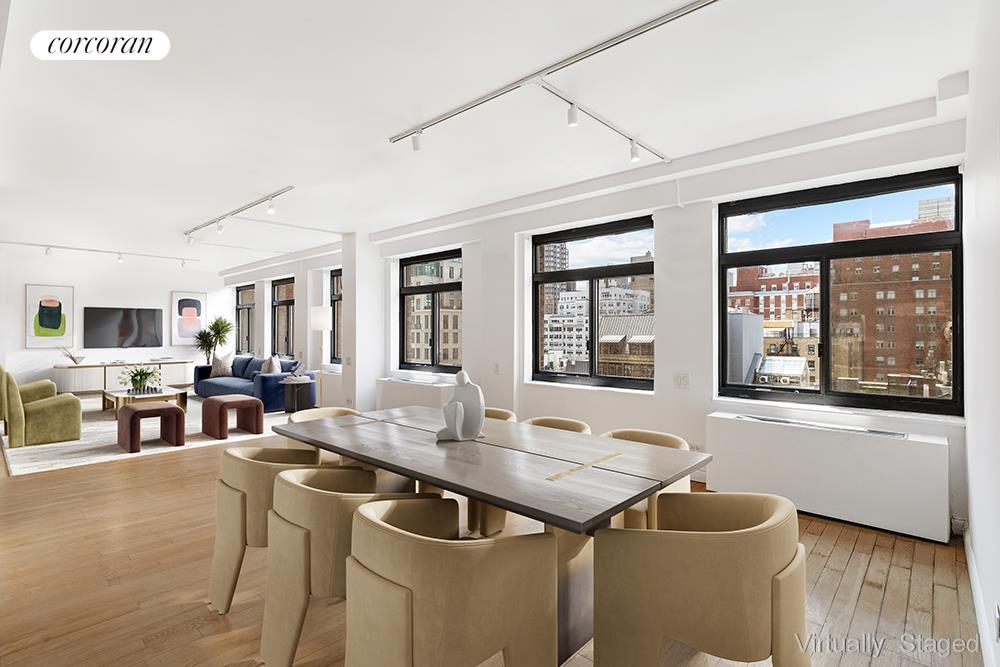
[(309, 540), (243, 497), (36, 415), (388, 482), (562, 423), (487, 519), (322, 456), (643, 514), (722, 573), (419, 597)]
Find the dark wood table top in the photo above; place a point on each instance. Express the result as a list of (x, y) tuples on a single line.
[(661, 464), (576, 484)]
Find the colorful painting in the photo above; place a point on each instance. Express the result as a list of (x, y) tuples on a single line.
[(187, 315), (48, 316)]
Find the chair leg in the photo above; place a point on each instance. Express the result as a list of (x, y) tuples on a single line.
[(230, 545), (788, 613), (286, 597), (491, 520), (474, 513)]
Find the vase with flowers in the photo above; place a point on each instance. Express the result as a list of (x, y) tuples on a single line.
[(140, 379)]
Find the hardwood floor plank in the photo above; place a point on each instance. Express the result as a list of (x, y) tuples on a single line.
[(108, 565)]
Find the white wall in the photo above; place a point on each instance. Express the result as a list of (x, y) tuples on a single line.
[(497, 317), (97, 281), (982, 322)]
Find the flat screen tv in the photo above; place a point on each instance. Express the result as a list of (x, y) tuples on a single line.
[(122, 327)]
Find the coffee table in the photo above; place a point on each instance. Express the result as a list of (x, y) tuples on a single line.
[(117, 398)]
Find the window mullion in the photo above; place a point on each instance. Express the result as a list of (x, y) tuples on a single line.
[(825, 322), (594, 290)]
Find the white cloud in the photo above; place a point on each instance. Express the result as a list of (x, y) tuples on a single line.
[(605, 250), (742, 224)]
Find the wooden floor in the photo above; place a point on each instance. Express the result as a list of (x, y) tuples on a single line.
[(108, 565)]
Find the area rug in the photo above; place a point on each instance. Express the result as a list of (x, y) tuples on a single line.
[(99, 443)]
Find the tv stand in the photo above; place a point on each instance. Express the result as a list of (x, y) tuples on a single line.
[(101, 377)]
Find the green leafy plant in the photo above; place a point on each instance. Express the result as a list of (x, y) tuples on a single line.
[(205, 342), (140, 377), (216, 334)]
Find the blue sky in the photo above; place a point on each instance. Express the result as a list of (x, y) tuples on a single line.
[(814, 224)]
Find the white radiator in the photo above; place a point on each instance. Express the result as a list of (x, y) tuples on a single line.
[(897, 482)]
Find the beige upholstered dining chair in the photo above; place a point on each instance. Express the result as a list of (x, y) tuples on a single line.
[(483, 517), (722, 573), (643, 514), (322, 456), (309, 540), (387, 482), (416, 595), (243, 497), (501, 413), (561, 423)]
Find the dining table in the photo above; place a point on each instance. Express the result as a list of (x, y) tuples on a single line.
[(573, 483)]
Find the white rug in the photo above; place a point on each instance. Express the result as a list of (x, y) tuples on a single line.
[(100, 439)]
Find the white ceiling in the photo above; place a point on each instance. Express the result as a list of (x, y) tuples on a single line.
[(256, 95)]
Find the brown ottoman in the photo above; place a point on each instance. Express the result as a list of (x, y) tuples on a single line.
[(215, 415), (130, 418)]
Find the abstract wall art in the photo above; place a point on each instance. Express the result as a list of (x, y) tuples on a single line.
[(49, 316), (187, 315)]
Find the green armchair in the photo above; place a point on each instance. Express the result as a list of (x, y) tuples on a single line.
[(54, 418), (30, 392)]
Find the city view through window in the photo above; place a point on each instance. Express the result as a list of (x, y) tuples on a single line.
[(608, 277), (890, 314), (431, 294)]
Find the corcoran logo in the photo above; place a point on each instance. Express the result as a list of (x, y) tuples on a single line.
[(100, 45)]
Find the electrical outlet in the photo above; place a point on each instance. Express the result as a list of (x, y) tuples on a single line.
[(496, 369), (347, 361), (348, 401), (681, 381)]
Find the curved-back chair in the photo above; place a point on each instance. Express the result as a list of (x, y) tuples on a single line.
[(643, 513), (322, 456), (482, 517), (561, 423), (417, 595), (309, 540), (722, 573), (243, 497)]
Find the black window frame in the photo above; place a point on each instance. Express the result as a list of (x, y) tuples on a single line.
[(593, 276), (277, 303), (823, 254), (245, 306), (434, 366), (336, 302)]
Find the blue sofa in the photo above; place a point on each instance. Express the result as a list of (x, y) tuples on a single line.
[(247, 379)]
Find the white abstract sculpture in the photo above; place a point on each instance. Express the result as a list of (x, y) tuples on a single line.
[(465, 413)]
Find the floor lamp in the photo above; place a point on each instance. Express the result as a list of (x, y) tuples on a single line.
[(321, 319)]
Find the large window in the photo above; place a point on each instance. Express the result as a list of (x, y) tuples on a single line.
[(593, 305), (430, 317), (282, 316), (337, 304), (846, 295), (245, 297)]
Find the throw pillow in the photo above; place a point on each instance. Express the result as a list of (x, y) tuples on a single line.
[(272, 365), (223, 368)]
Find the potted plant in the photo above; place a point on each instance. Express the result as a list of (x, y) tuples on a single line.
[(216, 334), (140, 378)]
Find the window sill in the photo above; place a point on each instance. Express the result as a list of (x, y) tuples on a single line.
[(646, 393), (422, 377), (752, 406)]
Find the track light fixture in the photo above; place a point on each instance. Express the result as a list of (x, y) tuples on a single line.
[(415, 139), (633, 150), (51, 248), (190, 239), (572, 116), (183, 263), (220, 227), (270, 207), (119, 258), (219, 220), (48, 250)]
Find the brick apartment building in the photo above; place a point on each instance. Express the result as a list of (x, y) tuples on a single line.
[(890, 315)]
